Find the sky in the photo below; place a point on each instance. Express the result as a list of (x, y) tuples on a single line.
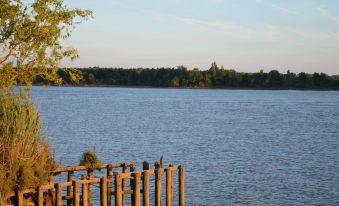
[(245, 35)]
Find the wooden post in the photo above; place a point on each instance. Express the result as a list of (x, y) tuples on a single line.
[(158, 184), (53, 191), (172, 182), (58, 201), (19, 198), (85, 194), (90, 176), (169, 185), (118, 190), (124, 170), (181, 186), (136, 189), (40, 196), (145, 193), (76, 193), (132, 184), (70, 177), (145, 165), (109, 186), (103, 191), (161, 162)]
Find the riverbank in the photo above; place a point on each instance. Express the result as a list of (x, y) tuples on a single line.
[(181, 77)]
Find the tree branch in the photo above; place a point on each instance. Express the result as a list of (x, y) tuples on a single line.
[(7, 56)]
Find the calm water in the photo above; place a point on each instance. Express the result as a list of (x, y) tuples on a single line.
[(239, 147)]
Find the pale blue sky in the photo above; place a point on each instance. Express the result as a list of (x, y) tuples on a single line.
[(246, 35)]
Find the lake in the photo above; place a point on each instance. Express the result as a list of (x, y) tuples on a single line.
[(239, 147)]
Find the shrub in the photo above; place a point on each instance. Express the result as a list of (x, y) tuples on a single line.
[(90, 159), (25, 155)]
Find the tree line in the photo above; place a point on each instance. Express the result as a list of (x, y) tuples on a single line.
[(215, 77)]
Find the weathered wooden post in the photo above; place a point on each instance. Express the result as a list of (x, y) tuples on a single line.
[(169, 186), (58, 187), (118, 190), (181, 186), (173, 179), (136, 189), (132, 169), (40, 196), (158, 184), (19, 198), (76, 193), (70, 177), (124, 170), (89, 177), (145, 176), (103, 191), (84, 193), (109, 185), (52, 190)]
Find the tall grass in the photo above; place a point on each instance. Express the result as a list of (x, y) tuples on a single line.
[(25, 155)]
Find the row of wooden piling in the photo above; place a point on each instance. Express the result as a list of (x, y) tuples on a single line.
[(79, 192)]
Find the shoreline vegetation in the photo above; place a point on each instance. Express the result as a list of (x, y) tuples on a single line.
[(31, 37), (180, 77)]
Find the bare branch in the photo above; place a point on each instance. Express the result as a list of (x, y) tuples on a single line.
[(7, 56)]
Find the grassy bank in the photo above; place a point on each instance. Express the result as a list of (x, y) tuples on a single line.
[(25, 155)]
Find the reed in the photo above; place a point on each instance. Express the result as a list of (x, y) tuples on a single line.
[(25, 155)]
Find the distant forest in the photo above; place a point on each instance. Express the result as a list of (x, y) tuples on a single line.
[(215, 77)]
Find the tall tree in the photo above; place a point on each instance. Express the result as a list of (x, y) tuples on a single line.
[(30, 47), (30, 39)]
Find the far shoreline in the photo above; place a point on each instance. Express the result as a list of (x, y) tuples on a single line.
[(193, 88)]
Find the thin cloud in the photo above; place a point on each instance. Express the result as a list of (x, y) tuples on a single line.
[(324, 12), (220, 25), (264, 31), (286, 10), (280, 8), (232, 28)]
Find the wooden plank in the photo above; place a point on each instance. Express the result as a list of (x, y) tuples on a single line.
[(47, 187), (67, 184), (76, 193), (136, 189), (101, 166), (103, 191), (70, 177), (146, 197), (118, 190), (127, 175), (169, 189), (181, 186), (91, 181), (158, 186), (24, 191)]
